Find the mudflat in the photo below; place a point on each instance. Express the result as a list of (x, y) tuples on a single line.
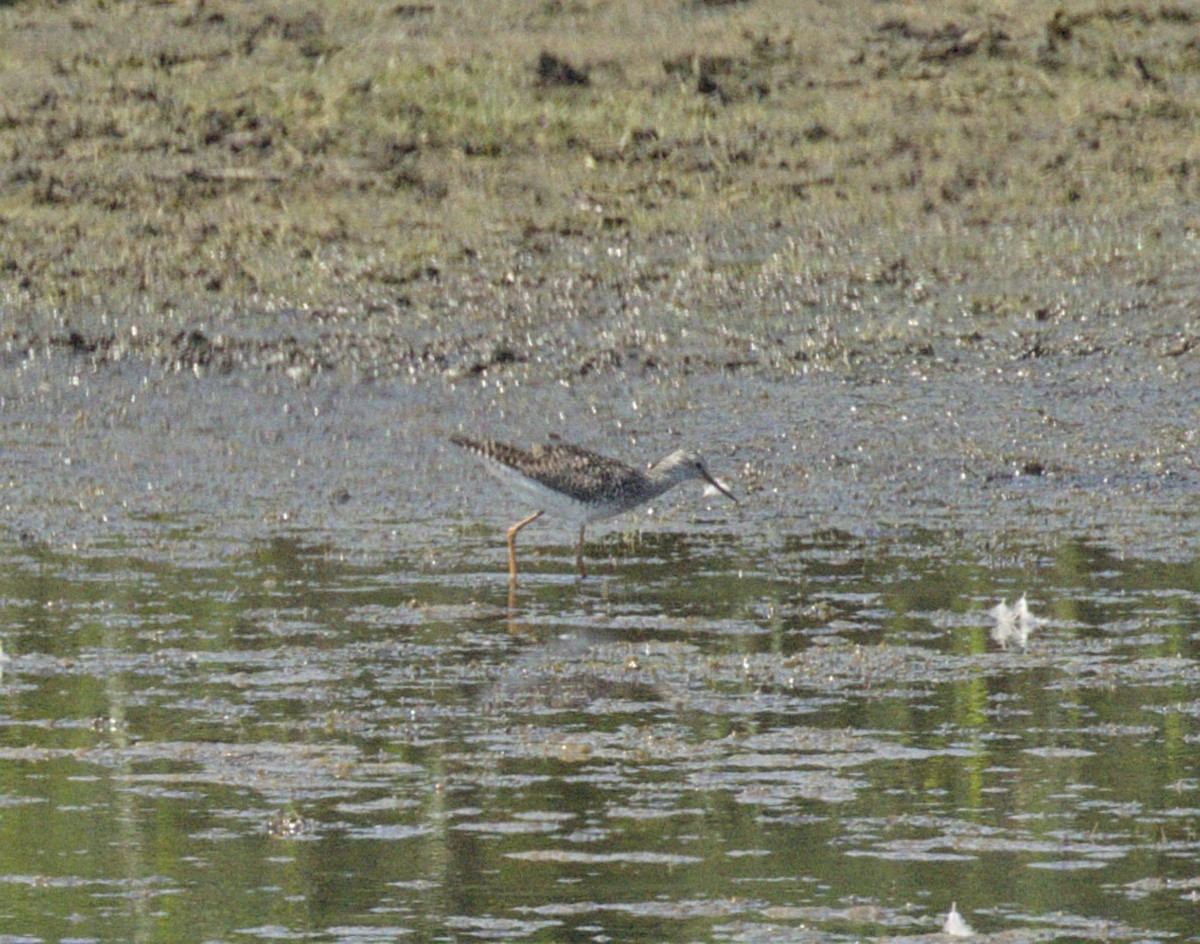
[(411, 187)]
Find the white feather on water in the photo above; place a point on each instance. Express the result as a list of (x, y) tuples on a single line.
[(955, 924), (1013, 625)]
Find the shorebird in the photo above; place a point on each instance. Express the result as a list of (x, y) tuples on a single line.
[(582, 485)]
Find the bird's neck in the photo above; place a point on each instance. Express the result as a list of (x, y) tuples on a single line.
[(663, 476)]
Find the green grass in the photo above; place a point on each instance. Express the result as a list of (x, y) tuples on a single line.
[(254, 155)]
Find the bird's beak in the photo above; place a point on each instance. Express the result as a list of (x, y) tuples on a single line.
[(714, 486)]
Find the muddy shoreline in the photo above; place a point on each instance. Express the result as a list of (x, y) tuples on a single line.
[(889, 268)]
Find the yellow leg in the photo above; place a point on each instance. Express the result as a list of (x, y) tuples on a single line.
[(512, 545), (579, 553)]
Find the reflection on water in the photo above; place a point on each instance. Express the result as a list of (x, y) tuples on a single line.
[(695, 744)]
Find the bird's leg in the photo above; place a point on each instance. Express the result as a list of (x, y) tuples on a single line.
[(579, 553), (512, 545)]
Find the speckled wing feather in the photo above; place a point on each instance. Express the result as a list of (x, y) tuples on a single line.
[(570, 470)]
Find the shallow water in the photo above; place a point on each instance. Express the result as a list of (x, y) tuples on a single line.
[(263, 678), (285, 744)]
